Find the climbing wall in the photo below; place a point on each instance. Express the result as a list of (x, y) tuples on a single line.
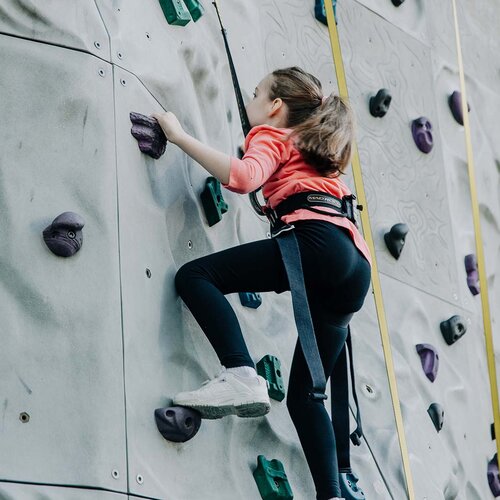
[(92, 344)]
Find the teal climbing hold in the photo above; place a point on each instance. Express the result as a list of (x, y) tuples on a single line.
[(269, 367), (212, 201), (195, 9), (271, 479), (175, 12), (250, 299)]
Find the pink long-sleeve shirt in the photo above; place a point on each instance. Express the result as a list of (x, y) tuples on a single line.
[(280, 169)]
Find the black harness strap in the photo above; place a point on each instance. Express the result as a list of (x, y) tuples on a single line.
[(290, 253), (339, 385)]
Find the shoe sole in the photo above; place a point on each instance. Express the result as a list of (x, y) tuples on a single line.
[(246, 410)]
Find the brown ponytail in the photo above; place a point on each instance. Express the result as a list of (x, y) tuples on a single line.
[(323, 129)]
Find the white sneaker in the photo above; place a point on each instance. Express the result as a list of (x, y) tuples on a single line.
[(228, 394)]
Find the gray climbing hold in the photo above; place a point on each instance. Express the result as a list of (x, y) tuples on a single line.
[(452, 329), (177, 423), (395, 239), (429, 359), (64, 236), (379, 103), (149, 134), (436, 413), (349, 486)]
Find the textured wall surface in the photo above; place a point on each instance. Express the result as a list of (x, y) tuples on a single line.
[(92, 344)]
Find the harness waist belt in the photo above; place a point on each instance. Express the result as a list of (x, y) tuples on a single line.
[(311, 199)]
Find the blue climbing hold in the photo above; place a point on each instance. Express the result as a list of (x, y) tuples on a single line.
[(320, 13), (250, 299)]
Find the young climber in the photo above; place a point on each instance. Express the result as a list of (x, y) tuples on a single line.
[(300, 141)]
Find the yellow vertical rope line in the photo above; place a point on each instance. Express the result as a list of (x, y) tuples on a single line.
[(490, 353), (377, 289)]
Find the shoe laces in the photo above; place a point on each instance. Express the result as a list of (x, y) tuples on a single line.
[(216, 379)]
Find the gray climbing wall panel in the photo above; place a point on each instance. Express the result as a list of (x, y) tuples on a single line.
[(92, 344), (61, 327)]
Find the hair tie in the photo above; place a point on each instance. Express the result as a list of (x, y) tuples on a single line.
[(323, 99)]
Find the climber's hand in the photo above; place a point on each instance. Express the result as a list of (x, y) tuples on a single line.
[(170, 125)]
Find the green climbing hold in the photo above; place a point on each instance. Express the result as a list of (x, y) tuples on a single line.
[(195, 8), (213, 203), (269, 367), (175, 12), (271, 479)]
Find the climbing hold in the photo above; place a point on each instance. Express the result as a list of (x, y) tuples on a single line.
[(436, 413), (195, 9), (64, 236), (494, 476), (452, 329), (397, 3), (213, 203), (349, 487), (470, 262), (175, 12), (177, 423), (395, 239), (269, 367), (271, 479), (149, 134), (455, 103), (492, 431), (250, 299), (422, 135), (429, 359), (379, 103), (320, 13)]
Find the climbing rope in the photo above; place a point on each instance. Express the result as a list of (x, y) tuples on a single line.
[(365, 222), (490, 353)]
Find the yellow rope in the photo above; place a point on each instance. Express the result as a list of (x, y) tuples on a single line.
[(377, 290), (490, 353)]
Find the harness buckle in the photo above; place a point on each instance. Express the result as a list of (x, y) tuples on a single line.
[(317, 396)]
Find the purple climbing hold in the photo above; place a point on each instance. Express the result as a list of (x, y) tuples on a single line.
[(494, 476), (429, 359), (149, 134), (470, 262), (455, 103), (436, 413), (422, 135), (64, 236), (177, 423)]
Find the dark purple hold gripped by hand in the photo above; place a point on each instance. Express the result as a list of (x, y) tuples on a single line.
[(472, 273), (149, 134)]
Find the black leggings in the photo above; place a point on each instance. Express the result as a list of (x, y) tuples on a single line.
[(337, 278)]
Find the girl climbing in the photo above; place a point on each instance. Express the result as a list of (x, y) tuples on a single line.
[(300, 141)]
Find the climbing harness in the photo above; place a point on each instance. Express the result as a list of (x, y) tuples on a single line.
[(290, 253), (377, 289), (483, 279), (309, 200)]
